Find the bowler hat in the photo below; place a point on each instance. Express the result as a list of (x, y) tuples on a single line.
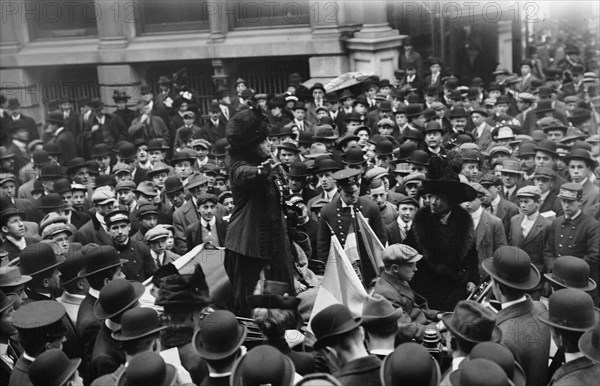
[(53, 368), (305, 138), (40, 158), (354, 156), (500, 355), (410, 364), (38, 314), (324, 132), (478, 372), (220, 148), (181, 156), (327, 165), (581, 155), (100, 150), (116, 297), (342, 141), (579, 115), (148, 368), (219, 335), (120, 96), (70, 268), (38, 258), (138, 323), (11, 277), (51, 172), (62, 186), (414, 110), (263, 365), (298, 169), (548, 147), (589, 344), (354, 116), (127, 151), (472, 322), (570, 309), (378, 311), (99, 258), (571, 272), (419, 157), (384, 147), (55, 118), (13, 103), (432, 126), (512, 267), (106, 180), (544, 106), (173, 184), (157, 144), (526, 149), (332, 321)]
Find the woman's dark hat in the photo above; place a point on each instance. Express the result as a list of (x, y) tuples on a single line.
[(442, 180), (589, 344), (263, 365), (378, 311), (138, 323), (512, 267), (116, 297), (148, 368), (332, 321), (571, 310), (410, 364), (571, 272), (500, 355), (219, 335), (247, 128), (275, 294), (184, 289), (53, 368), (472, 322)]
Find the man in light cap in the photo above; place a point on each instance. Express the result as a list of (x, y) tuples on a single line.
[(341, 212), (156, 238), (95, 230), (529, 230), (574, 234), (400, 265)]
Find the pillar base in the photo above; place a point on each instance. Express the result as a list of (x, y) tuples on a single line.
[(378, 55), (120, 77)]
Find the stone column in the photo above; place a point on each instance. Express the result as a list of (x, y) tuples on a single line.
[(375, 48), (122, 77), (13, 27), (111, 22), (217, 19)]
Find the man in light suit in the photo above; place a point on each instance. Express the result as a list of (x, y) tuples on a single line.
[(210, 228), (482, 131), (187, 213), (529, 230), (489, 232), (581, 166)]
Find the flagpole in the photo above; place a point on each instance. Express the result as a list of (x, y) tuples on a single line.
[(356, 235)]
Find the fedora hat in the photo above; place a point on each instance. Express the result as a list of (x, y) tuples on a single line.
[(581, 155), (138, 323), (324, 132), (544, 106), (100, 150), (99, 258), (263, 365), (287, 145), (11, 277), (354, 156), (275, 294), (378, 311), (478, 372), (458, 112), (354, 116), (500, 355), (327, 165), (589, 344), (573, 134), (219, 335), (548, 147), (472, 322), (148, 368), (7, 300), (53, 368), (116, 297), (413, 110), (342, 141), (158, 168), (511, 166), (156, 144), (196, 180), (512, 267), (332, 321), (571, 272), (146, 188), (571, 310), (410, 364), (38, 258)]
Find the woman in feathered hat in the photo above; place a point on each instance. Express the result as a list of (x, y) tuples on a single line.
[(257, 236), (443, 233)]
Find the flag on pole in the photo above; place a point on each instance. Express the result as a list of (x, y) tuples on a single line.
[(372, 244), (340, 283)]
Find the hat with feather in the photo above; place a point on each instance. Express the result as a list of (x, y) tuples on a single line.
[(442, 179), (184, 290)]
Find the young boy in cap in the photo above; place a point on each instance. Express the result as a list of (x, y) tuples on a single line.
[(40, 329), (400, 265), (147, 215), (570, 313), (156, 238), (513, 276), (140, 265), (397, 231), (574, 233), (529, 230), (340, 213), (101, 266), (13, 231), (210, 228)]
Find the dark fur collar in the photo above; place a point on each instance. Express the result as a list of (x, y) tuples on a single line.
[(444, 244)]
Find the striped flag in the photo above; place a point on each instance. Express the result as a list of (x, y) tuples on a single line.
[(340, 283), (371, 242)]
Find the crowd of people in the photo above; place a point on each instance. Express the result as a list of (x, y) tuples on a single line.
[(484, 197)]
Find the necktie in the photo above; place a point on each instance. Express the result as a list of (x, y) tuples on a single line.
[(208, 227), (226, 113)]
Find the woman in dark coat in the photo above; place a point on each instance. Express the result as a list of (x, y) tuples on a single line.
[(443, 233), (257, 236)]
